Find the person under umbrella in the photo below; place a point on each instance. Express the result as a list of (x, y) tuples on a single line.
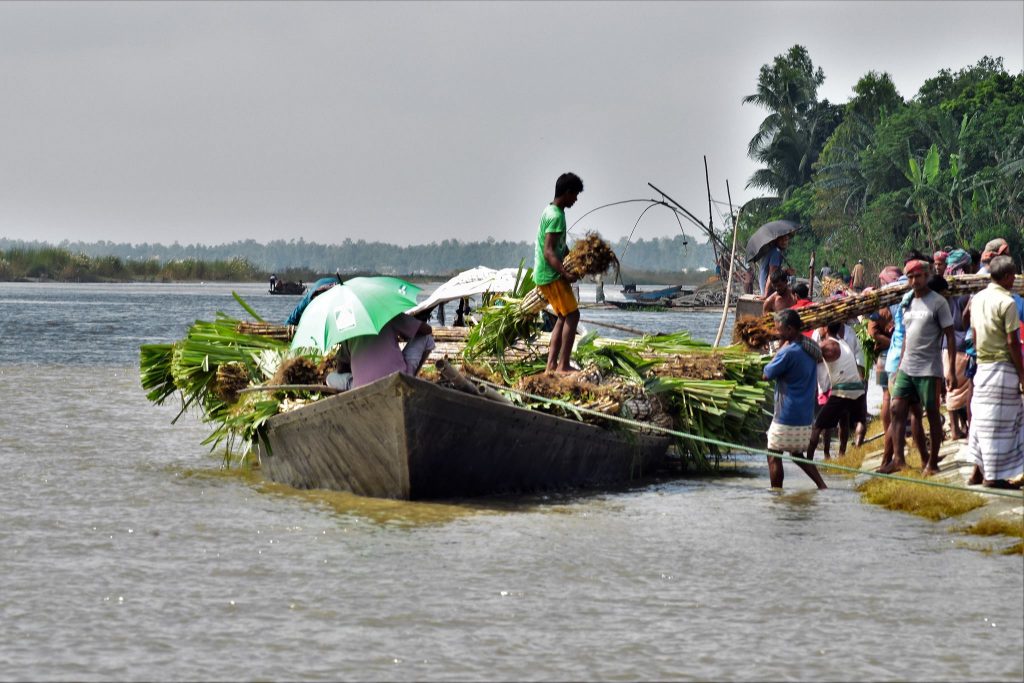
[(367, 315)]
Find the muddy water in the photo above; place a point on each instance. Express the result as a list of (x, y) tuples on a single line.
[(125, 553)]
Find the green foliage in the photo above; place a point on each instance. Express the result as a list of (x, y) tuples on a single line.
[(188, 368), (50, 263), (943, 169)]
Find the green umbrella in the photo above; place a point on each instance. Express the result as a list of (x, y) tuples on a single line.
[(360, 306)]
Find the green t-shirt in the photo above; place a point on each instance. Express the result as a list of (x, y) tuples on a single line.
[(552, 220)]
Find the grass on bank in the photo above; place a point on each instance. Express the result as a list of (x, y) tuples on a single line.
[(1002, 525)]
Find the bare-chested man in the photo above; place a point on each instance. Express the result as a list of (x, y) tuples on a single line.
[(783, 297)]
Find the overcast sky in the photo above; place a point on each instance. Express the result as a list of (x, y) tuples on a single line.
[(414, 122)]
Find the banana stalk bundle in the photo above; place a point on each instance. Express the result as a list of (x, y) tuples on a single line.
[(755, 332), (206, 368)]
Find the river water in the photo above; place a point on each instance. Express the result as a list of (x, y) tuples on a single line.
[(125, 553)]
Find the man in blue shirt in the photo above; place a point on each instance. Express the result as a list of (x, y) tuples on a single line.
[(770, 262), (795, 371)]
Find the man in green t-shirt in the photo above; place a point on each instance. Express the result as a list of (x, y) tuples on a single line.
[(550, 275)]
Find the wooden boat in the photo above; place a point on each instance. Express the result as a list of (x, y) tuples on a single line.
[(290, 288), (403, 437), (632, 293)]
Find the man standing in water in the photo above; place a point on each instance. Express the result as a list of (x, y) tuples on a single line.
[(926, 319), (795, 371), (550, 275)]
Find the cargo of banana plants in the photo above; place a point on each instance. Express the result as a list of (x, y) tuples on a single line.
[(714, 393), (671, 381), (209, 369), (756, 332)]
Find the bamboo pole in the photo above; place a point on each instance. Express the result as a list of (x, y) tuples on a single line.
[(810, 289), (732, 269)]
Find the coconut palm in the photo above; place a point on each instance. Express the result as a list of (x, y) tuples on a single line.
[(791, 136)]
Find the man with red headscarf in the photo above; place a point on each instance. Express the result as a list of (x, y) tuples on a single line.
[(926, 319)]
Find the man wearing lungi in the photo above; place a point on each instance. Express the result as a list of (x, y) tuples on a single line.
[(794, 369), (996, 436)]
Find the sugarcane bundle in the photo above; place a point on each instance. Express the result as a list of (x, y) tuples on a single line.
[(693, 365), (756, 332), (832, 285), (265, 329)]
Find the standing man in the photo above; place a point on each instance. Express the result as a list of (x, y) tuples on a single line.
[(926, 319), (857, 276), (771, 262), (996, 434), (550, 275), (795, 371)]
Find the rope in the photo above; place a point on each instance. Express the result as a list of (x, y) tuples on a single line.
[(735, 447)]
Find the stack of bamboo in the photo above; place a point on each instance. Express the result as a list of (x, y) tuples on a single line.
[(753, 331)]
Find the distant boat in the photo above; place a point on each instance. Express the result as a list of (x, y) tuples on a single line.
[(633, 294), (290, 288)]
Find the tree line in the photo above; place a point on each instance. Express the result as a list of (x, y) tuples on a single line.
[(248, 259), (878, 175)]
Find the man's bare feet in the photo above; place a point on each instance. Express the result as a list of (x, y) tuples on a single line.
[(929, 471), (892, 467), (975, 477)]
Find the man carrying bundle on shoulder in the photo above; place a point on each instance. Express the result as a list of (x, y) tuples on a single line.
[(996, 434), (794, 370), (926, 319), (550, 275)]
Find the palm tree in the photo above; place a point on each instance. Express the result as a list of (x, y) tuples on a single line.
[(789, 138)]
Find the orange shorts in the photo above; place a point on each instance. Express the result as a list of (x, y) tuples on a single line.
[(559, 295)]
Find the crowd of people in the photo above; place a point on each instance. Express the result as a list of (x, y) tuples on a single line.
[(932, 349)]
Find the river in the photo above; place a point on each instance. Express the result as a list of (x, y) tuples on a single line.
[(127, 554)]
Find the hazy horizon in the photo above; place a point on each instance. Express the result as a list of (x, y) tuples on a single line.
[(412, 123)]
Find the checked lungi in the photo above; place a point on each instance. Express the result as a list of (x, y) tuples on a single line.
[(996, 437), (789, 438)]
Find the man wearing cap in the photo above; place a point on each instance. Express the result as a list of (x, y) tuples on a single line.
[(996, 435), (926, 319)]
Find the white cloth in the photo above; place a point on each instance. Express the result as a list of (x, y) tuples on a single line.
[(995, 440), (789, 438)]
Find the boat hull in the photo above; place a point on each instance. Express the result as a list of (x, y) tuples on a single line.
[(406, 438), (652, 295)]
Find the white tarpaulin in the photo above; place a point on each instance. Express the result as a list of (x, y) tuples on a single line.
[(469, 283)]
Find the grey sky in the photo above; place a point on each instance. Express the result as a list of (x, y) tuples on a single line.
[(416, 122)]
